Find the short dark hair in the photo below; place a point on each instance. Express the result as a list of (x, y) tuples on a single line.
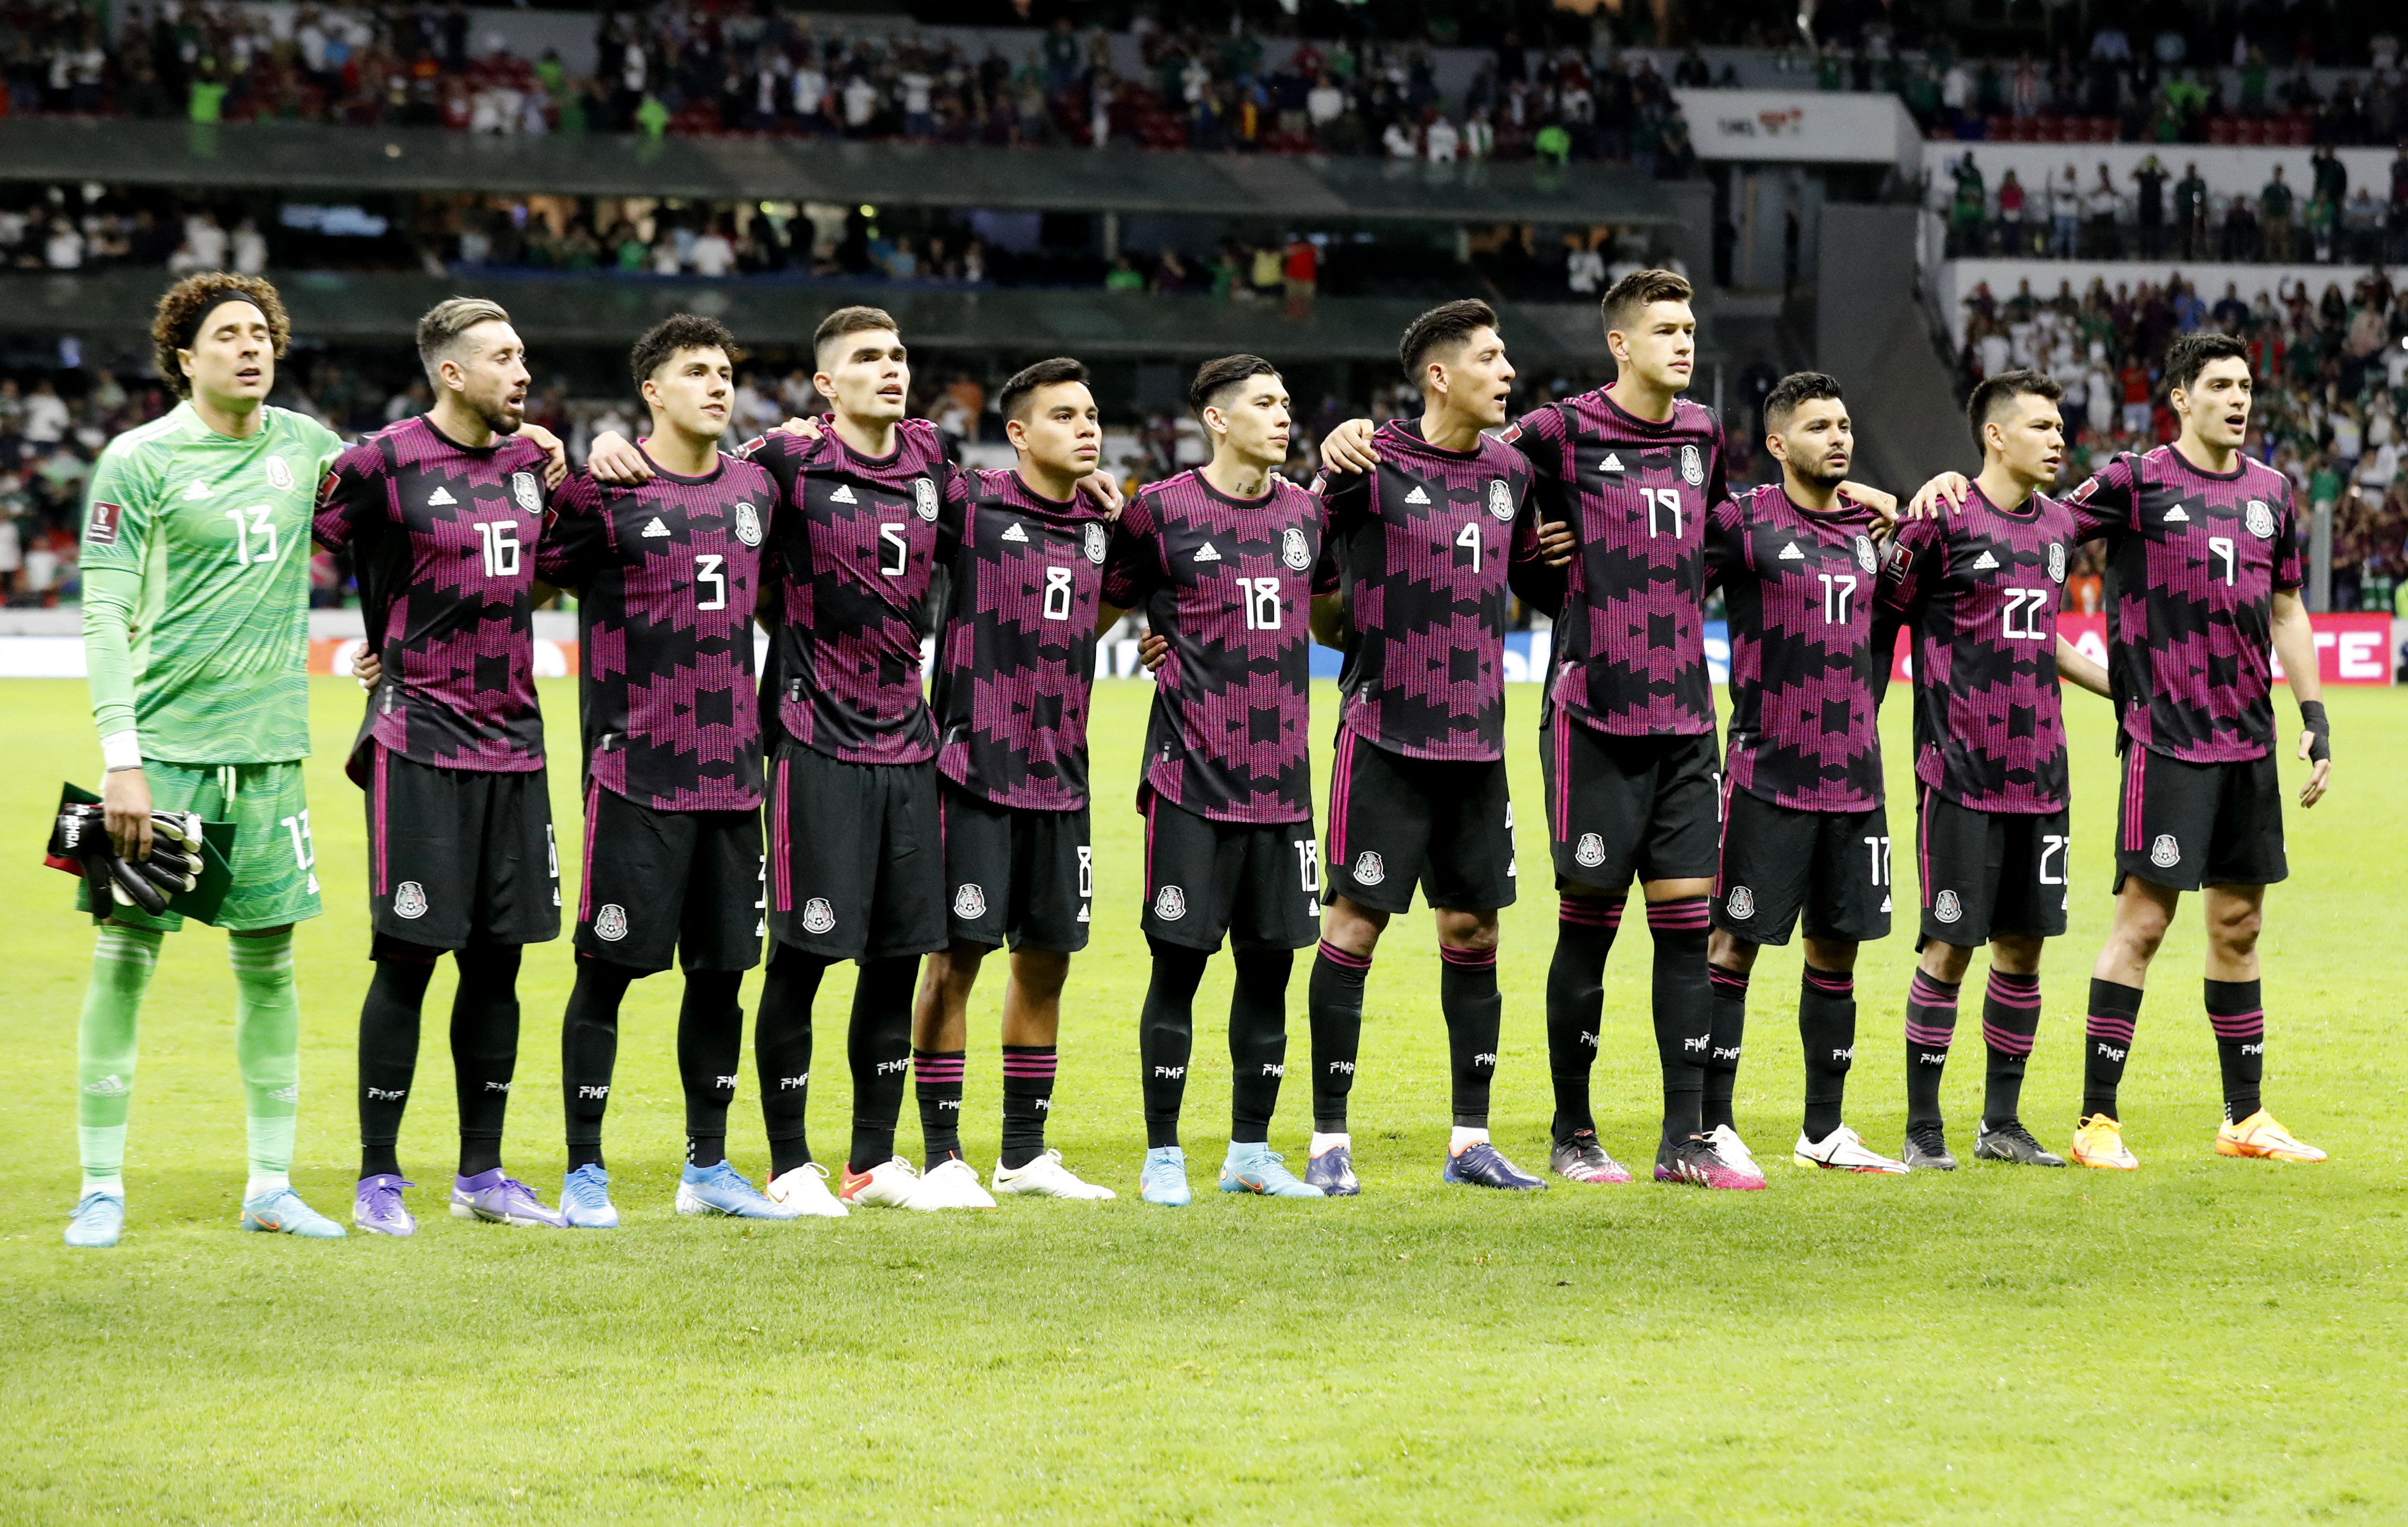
[(1214, 378), (679, 331), (1028, 379), (2187, 356), (845, 321), (1995, 392), (1795, 390), (1625, 298), (1445, 327), (443, 325)]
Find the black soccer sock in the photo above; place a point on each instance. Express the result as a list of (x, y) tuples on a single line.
[(781, 1052), (1826, 1031), (1584, 929), (879, 1046), (1165, 1036), (485, 1050), (1027, 1098), (1333, 999), (1257, 1041), (2009, 1021), (2236, 1010), (388, 1058), (1930, 1028), (589, 1052), (936, 1084), (2114, 1012), (711, 1049), (1467, 996), (1684, 1009), (1727, 993)]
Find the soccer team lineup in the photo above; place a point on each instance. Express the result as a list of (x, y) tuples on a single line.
[(827, 804)]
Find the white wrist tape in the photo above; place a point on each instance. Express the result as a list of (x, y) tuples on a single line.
[(120, 750)]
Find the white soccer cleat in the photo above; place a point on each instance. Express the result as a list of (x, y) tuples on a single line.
[(1843, 1150), (1732, 1151), (806, 1189), (1047, 1177), (955, 1184), (890, 1184)]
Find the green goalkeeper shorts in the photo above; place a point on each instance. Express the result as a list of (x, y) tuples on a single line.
[(274, 860)]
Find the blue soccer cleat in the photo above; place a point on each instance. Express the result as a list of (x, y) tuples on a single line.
[(722, 1189), (501, 1199), (1163, 1179), (1480, 1165), (1256, 1168), (98, 1221), (376, 1206), (281, 1209), (585, 1199), (1333, 1173)]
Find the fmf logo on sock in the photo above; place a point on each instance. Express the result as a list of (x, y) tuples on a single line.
[(497, 1087), (1932, 1058), (1044, 1105), (2112, 1053), (1838, 1056), (1489, 1060), (378, 1094), (2259, 1048), (1731, 1054), (1274, 1070), (1345, 1066), (788, 1084), (1588, 1037), (1699, 1044), (1169, 1073), (593, 1091), (885, 1066), (954, 1104), (722, 1084)]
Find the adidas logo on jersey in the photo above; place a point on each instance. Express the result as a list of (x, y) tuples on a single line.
[(440, 498), (1791, 553), (842, 494), (1985, 562), (198, 490), (1206, 553), (1014, 532), (2176, 516), (1417, 496), (1613, 463), (656, 528)]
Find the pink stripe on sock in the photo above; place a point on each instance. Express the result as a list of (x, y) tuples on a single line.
[(2238, 1024), (1679, 914), (2008, 1042), (1726, 983), (1335, 955), (2106, 1026), (938, 1072), (1836, 985), (1925, 992), (1471, 959), (1029, 1065), (1588, 912), (1929, 1037)]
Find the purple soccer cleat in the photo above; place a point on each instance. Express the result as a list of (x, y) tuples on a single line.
[(501, 1200), (376, 1206)]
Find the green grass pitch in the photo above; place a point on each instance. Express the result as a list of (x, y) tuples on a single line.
[(2203, 1340)]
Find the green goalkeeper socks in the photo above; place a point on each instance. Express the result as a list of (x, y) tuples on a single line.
[(268, 1046), (123, 959)]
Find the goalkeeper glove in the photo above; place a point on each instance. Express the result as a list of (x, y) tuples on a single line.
[(173, 865)]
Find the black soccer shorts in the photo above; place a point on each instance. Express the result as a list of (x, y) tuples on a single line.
[(856, 867), (1016, 875), (458, 858), (661, 883), (1987, 874), (1625, 807), (2185, 825), (1778, 862), (1256, 883), (1394, 821)]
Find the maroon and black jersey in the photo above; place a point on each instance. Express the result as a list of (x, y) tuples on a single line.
[(1629, 640), (854, 542), (1979, 591), (665, 576), (1421, 546), (1799, 588), (1018, 653), (1228, 584), (443, 539), (2194, 561)]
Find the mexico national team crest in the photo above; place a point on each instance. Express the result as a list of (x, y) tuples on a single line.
[(528, 493), (1368, 868), (1590, 852), (2260, 520), (748, 523), (410, 900), (1171, 903), (2165, 853), (279, 476), (923, 497), (1293, 550), (2057, 561), (1094, 543), (1501, 499), (818, 916), (1865, 553), (970, 902), (610, 922), (1946, 908), (1740, 904), (1692, 465)]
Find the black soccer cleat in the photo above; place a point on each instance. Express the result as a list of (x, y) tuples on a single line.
[(2013, 1144), (1927, 1149)]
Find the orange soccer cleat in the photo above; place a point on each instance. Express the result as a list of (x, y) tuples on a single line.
[(2260, 1135), (2099, 1142)]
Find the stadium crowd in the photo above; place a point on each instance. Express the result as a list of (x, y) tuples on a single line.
[(2332, 392), (749, 67)]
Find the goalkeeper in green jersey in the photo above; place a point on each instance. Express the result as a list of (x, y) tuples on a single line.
[(195, 626)]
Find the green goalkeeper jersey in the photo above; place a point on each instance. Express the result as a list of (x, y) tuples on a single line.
[(196, 586)]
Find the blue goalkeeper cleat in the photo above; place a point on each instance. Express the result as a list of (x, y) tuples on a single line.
[(376, 1206), (585, 1199), (1163, 1179), (501, 1199), (1333, 1173), (281, 1210), (1256, 1168), (1482, 1165), (98, 1219), (722, 1189)]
